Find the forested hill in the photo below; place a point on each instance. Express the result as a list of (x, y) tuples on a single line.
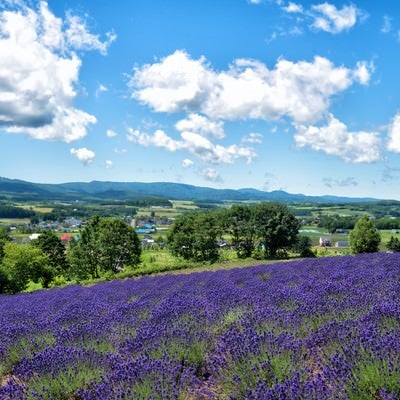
[(97, 190)]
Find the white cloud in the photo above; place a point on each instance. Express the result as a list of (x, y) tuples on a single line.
[(101, 89), (111, 133), (293, 8), (330, 19), (387, 24), (83, 154), (195, 144), (201, 125), (80, 38), (68, 125), (362, 72), (120, 151), (186, 163), (253, 137), (211, 175), (39, 70), (281, 32), (109, 164), (394, 135), (158, 139), (248, 89), (335, 139)]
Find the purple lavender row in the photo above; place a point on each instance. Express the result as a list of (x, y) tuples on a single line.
[(313, 329)]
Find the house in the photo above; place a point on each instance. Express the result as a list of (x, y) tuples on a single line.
[(325, 241), (34, 236), (73, 222), (342, 243), (66, 237)]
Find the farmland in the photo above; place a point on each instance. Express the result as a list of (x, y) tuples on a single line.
[(317, 329)]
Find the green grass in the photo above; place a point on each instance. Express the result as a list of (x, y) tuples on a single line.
[(13, 221), (228, 319), (37, 208), (63, 385), (372, 375), (242, 375), (25, 347)]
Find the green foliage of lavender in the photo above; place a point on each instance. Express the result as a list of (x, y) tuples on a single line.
[(313, 329)]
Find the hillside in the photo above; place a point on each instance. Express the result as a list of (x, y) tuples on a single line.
[(98, 190)]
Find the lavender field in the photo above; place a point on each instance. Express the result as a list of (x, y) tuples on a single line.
[(314, 329)]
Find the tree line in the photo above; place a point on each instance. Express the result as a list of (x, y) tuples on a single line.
[(108, 245), (262, 230), (334, 222), (105, 245), (8, 211)]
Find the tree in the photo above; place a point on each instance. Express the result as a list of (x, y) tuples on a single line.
[(22, 263), (87, 252), (206, 233), (303, 246), (53, 247), (180, 237), (277, 228), (3, 280), (4, 238), (364, 238), (194, 237), (393, 244), (76, 259), (119, 245), (241, 225), (105, 244)]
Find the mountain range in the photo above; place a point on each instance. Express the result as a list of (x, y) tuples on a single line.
[(14, 189)]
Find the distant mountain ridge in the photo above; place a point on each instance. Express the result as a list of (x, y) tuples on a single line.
[(102, 190)]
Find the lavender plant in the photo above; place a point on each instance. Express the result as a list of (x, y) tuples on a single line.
[(313, 329)]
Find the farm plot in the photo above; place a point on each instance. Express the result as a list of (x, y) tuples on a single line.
[(314, 329)]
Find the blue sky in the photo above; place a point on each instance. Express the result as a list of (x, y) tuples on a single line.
[(302, 96)]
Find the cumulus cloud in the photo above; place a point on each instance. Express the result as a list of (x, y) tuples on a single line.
[(196, 144), (335, 139), (158, 139), (78, 37), (330, 19), (39, 70), (109, 164), (248, 89), (111, 133), (187, 163), (201, 125), (293, 8), (331, 182), (68, 125), (83, 154), (211, 175), (394, 135), (254, 138), (101, 89), (362, 72)]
